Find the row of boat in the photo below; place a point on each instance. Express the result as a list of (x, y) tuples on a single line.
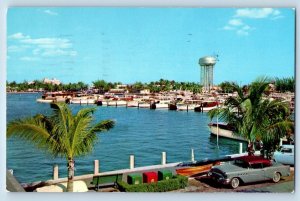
[(196, 105)]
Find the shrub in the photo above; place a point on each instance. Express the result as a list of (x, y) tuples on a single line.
[(177, 182)]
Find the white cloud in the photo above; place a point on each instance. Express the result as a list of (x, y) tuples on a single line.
[(18, 36), (257, 13), (36, 51), (238, 26), (17, 48), (228, 27), (235, 22), (49, 12), (49, 43), (29, 59), (44, 47), (59, 52), (14, 48), (246, 27), (242, 32), (277, 17)]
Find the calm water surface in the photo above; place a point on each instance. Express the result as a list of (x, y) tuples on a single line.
[(142, 132)]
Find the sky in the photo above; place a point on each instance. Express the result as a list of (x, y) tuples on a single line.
[(146, 44)]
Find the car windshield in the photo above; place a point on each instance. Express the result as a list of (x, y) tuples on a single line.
[(241, 163), (286, 150)]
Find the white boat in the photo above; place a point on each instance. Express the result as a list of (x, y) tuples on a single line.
[(143, 105), (162, 104), (206, 106), (185, 107), (133, 104), (117, 103), (223, 130), (206, 109), (40, 100), (82, 101)]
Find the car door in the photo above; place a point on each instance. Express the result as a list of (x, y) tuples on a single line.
[(287, 156), (256, 172)]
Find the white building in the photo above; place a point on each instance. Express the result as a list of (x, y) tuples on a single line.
[(53, 81)]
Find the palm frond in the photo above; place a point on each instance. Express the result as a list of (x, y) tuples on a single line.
[(103, 126), (32, 129)]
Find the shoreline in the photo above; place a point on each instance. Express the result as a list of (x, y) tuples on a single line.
[(25, 92)]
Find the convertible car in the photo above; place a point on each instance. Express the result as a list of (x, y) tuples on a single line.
[(248, 169)]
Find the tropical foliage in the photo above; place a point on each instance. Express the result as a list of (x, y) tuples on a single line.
[(62, 134), (37, 85), (228, 87), (285, 84), (255, 117), (167, 85), (103, 86)]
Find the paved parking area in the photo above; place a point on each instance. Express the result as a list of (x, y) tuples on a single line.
[(205, 184)]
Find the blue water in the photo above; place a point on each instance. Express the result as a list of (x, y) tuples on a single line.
[(142, 132)]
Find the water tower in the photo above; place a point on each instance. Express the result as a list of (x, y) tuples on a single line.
[(207, 64)]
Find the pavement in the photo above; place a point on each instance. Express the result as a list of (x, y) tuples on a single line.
[(285, 187)]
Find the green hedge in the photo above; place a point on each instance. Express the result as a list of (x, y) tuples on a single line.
[(177, 182)]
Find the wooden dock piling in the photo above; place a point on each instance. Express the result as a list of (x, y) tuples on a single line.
[(192, 155), (96, 166), (163, 158), (55, 172), (131, 161)]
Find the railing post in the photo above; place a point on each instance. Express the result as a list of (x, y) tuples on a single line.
[(163, 158), (55, 172), (241, 148), (131, 162), (96, 167), (192, 155)]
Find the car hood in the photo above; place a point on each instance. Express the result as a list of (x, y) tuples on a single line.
[(227, 168)]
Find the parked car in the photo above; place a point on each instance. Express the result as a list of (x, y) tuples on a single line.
[(247, 169), (285, 155)]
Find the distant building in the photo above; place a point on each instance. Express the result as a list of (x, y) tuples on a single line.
[(31, 82), (53, 81), (145, 91), (122, 86), (117, 91)]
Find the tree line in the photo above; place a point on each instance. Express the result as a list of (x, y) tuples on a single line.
[(281, 85), (103, 86)]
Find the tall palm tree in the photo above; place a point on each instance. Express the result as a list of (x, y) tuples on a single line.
[(62, 134), (255, 117)]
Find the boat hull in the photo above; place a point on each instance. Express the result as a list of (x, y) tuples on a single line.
[(224, 133), (185, 107), (190, 171), (83, 101)]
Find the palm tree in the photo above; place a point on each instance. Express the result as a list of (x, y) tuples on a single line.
[(62, 134), (255, 117)]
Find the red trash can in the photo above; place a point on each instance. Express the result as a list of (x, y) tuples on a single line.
[(149, 177)]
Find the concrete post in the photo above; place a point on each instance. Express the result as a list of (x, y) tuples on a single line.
[(280, 143), (131, 162), (55, 172), (163, 158), (192, 155), (96, 166), (241, 148)]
